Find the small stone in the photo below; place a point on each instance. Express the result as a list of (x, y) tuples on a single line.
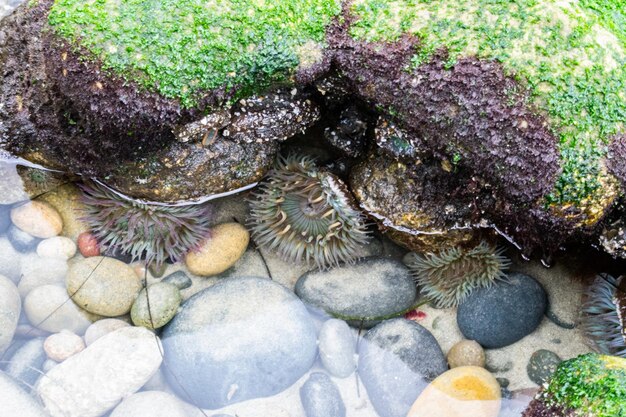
[(103, 286), (16, 401), (466, 353), (466, 391), (363, 293), (62, 345), (92, 382), (59, 247), (10, 308), (66, 200), (48, 308), (151, 404), (88, 245), (101, 328), (41, 271), (21, 241), (321, 398), (504, 313), (38, 219), (179, 279), (226, 244), (504, 382), (163, 299), (158, 271), (10, 261), (337, 347), (397, 358), (542, 364)]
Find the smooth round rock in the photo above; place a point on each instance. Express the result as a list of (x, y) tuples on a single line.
[(369, 290), (163, 299), (543, 363), (58, 247), (337, 346), (151, 404), (103, 327), (38, 219), (41, 271), (63, 345), (466, 353), (466, 391), (92, 382), (506, 312), (397, 359), (10, 261), (103, 286), (88, 245), (21, 241), (241, 339), (66, 199), (179, 279), (321, 398), (49, 308), (10, 308), (226, 244), (16, 401)]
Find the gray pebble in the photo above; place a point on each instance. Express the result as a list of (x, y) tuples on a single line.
[(321, 398), (542, 365), (337, 348)]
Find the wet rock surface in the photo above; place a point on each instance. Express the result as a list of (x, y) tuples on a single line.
[(397, 359), (542, 364), (337, 346), (16, 401), (241, 339), (321, 398)]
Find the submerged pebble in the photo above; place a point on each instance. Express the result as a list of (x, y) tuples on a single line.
[(103, 327), (179, 279), (151, 404), (58, 247), (22, 241), (156, 306), (16, 401), (49, 308), (337, 346), (10, 260), (466, 353), (542, 364), (63, 345), (225, 245), (321, 398), (41, 271), (25, 362), (38, 219), (88, 245), (10, 308)]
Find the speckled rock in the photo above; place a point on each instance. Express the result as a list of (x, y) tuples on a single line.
[(21, 241), (337, 346), (542, 364), (240, 339), (466, 353), (82, 386), (103, 285), (10, 260), (59, 247), (397, 360), (16, 401), (504, 313), (321, 398), (101, 328), (365, 292), (179, 279), (10, 308), (48, 308), (163, 300), (151, 404), (466, 391), (38, 219), (88, 245), (226, 244), (63, 345)]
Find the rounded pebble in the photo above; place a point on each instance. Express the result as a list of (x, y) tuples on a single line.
[(163, 300), (58, 247), (103, 286), (49, 308), (42, 271), (542, 365), (88, 245), (21, 241), (226, 244), (38, 219), (180, 279), (63, 345), (337, 347), (321, 398), (466, 353), (103, 327)]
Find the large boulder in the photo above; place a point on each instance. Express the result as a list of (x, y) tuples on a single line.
[(240, 339)]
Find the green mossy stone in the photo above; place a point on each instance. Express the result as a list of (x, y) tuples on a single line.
[(591, 385), (155, 307), (184, 48), (571, 56)]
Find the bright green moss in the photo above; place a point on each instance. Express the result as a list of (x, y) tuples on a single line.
[(570, 54), (182, 48), (592, 385)]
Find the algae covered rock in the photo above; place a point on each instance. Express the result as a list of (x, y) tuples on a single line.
[(590, 385)]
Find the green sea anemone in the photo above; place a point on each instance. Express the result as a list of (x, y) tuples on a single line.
[(604, 315), (307, 215), (451, 275), (147, 232)]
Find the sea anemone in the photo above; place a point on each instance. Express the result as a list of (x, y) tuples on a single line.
[(307, 215), (604, 315), (449, 276), (147, 232)]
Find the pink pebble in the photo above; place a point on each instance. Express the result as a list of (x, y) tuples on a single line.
[(88, 245)]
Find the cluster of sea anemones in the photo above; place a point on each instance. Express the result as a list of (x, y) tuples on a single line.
[(449, 276), (604, 315), (307, 215), (148, 232)]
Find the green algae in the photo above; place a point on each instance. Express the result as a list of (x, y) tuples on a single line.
[(591, 385), (569, 55), (184, 48)]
